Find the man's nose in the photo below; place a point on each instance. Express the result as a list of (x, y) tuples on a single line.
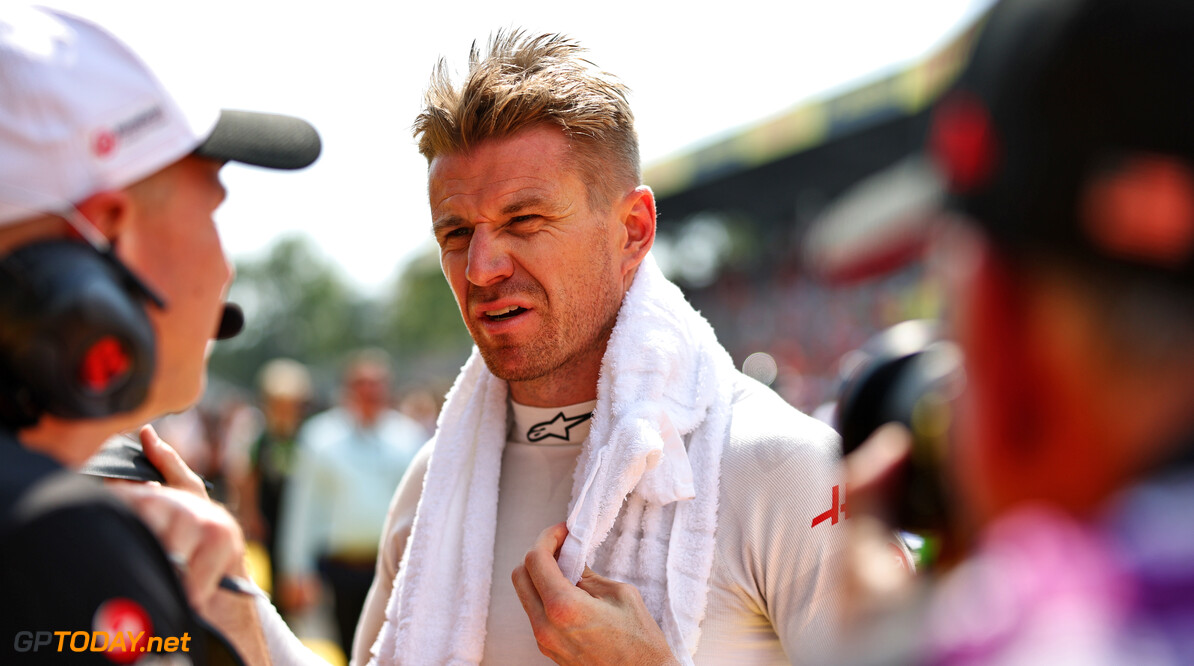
[(489, 259)]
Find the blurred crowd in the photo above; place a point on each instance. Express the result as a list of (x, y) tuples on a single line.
[(805, 326)]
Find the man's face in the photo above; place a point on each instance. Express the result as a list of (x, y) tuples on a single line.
[(537, 274), (367, 391), (171, 242)]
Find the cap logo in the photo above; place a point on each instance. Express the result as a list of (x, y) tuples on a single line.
[(105, 141), (1143, 210), (963, 142)]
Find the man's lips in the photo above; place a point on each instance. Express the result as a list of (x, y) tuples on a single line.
[(500, 310), (506, 312)]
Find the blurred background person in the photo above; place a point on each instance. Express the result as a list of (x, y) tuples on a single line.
[(350, 459), (1068, 257), (421, 404), (285, 390)]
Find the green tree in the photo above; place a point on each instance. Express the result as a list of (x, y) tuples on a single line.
[(296, 304), (423, 328)]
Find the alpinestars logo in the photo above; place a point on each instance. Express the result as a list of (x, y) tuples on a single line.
[(558, 427)]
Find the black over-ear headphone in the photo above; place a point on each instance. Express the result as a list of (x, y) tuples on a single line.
[(75, 340)]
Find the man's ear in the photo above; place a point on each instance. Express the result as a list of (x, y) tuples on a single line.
[(1020, 437), (992, 450), (1000, 346), (637, 214), (108, 211)]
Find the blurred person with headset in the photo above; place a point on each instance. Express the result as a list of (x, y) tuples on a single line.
[(1066, 241), (113, 280)]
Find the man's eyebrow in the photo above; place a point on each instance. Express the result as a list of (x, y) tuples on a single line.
[(513, 208), (446, 222), (525, 202)]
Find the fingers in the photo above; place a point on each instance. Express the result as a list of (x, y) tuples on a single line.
[(551, 539), (538, 579), (174, 470), (201, 538), (155, 515), (529, 596), (596, 621), (873, 471), (605, 588), (543, 570), (211, 558)]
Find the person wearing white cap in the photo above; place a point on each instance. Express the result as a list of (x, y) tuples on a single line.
[(112, 285)]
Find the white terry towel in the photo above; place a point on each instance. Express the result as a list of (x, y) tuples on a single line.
[(644, 506)]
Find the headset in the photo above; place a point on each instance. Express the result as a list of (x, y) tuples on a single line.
[(75, 336)]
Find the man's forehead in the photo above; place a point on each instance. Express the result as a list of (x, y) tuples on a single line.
[(496, 191), (503, 186), (535, 152)]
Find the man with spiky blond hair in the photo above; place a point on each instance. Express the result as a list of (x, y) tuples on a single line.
[(596, 395)]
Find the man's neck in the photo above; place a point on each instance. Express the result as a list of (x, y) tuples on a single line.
[(366, 419), (567, 385), (71, 443), (572, 382)]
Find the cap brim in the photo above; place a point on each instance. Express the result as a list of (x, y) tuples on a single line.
[(877, 226), (262, 139)]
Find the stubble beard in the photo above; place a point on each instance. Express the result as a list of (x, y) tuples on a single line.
[(564, 341)]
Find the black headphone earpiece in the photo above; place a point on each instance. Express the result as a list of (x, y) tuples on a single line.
[(75, 339)]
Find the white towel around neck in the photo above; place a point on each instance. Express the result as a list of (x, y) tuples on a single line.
[(644, 506)]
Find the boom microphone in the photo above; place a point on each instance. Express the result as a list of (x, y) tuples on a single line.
[(231, 322)]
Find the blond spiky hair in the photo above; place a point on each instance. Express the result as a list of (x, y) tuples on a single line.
[(524, 81)]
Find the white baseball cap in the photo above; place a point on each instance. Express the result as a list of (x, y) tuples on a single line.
[(81, 113)]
